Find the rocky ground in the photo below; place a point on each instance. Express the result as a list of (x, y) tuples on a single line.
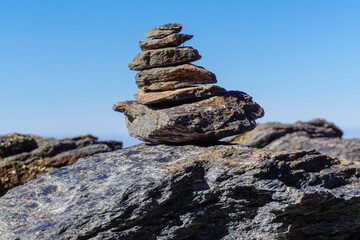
[(25, 157), (317, 134), (189, 192)]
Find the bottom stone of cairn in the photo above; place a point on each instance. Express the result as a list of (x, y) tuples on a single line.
[(203, 121)]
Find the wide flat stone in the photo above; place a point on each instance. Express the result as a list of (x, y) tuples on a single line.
[(203, 121), (164, 57), (164, 30), (167, 78), (181, 94), (172, 40)]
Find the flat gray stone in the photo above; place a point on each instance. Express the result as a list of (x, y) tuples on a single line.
[(164, 57), (168, 78)]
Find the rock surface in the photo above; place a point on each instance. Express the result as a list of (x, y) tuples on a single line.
[(264, 134), (189, 192), (181, 94), (168, 78), (337, 147), (164, 57), (46, 154), (317, 134), (14, 143), (164, 30), (172, 40), (202, 121)]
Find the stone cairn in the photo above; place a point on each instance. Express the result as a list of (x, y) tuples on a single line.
[(173, 106)]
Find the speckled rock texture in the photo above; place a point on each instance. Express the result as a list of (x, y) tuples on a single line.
[(207, 120), (172, 40), (164, 57), (317, 134), (178, 95), (14, 143), (44, 155), (169, 78), (151, 192), (164, 30)]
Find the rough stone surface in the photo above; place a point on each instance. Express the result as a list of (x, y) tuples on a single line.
[(168, 78), (189, 192), (317, 134), (265, 133), (336, 147), (14, 143), (172, 40), (181, 94), (49, 154), (164, 30), (202, 121), (164, 57)]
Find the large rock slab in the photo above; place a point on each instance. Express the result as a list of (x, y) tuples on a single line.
[(48, 155), (164, 57), (172, 40), (164, 30), (181, 94), (188, 192), (168, 78), (203, 121), (317, 134)]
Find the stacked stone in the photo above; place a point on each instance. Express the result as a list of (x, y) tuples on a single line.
[(173, 103)]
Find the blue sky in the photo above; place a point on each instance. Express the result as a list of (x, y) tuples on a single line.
[(64, 63)]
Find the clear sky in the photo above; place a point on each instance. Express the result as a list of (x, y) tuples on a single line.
[(63, 63)]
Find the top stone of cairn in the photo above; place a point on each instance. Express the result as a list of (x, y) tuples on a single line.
[(164, 30)]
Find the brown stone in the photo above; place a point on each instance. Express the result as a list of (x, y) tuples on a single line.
[(181, 94), (207, 120), (172, 40), (164, 30), (167, 78), (163, 57)]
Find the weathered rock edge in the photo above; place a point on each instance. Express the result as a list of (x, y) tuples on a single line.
[(207, 120), (189, 192), (34, 155), (164, 30), (172, 40), (180, 94), (163, 57), (168, 78), (318, 134)]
